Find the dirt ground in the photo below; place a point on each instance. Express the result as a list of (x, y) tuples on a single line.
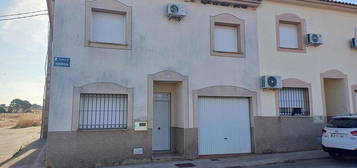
[(20, 147)]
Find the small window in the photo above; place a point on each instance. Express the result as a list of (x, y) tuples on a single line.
[(108, 28), (108, 24), (103, 111), (294, 102), (288, 35), (290, 32), (226, 38)]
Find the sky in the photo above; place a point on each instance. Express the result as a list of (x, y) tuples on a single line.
[(23, 47), (353, 1)]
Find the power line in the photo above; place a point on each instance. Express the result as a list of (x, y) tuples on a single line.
[(22, 17), (15, 14)]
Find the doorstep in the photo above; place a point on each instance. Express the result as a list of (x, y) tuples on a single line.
[(234, 162)]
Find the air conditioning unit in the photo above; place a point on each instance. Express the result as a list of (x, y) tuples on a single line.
[(354, 43), (176, 11), (271, 82), (313, 39)]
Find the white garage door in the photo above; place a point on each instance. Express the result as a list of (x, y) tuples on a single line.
[(224, 126)]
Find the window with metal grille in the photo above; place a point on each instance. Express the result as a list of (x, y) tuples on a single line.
[(294, 102), (103, 111)]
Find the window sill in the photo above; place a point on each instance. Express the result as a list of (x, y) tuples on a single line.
[(295, 50), (227, 54), (108, 45), (307, 116), (103, 130)]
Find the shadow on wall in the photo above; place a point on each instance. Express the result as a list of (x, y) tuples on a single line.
[(336, 97), (286, 134), (33, 155)]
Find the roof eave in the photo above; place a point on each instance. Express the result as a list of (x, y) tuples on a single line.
[(323, 4), (234, 3)]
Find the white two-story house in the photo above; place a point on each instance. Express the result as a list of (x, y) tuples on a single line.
[(127, 82), (139, 80)]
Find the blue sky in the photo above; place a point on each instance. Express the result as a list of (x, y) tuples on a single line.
[(23, 51), (354, 1)]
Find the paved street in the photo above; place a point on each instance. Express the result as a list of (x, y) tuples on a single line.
[(235, 162), (315, 163)]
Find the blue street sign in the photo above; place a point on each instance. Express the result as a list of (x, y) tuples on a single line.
[(62, 62)]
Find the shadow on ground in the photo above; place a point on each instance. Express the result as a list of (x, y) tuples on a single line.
[(31, 156)]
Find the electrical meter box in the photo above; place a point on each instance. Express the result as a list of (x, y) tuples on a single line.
[(140, 125)]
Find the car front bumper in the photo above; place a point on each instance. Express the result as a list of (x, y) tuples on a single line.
[(338, 150)]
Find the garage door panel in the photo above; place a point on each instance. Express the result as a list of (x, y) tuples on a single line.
[(224, 125)]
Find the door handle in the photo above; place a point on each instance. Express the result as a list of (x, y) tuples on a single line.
[(225, 138)]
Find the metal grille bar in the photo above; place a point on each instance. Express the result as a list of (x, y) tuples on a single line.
[(103, 111), (294, 102)]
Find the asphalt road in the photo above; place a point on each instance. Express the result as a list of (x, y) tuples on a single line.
[(317, 163)]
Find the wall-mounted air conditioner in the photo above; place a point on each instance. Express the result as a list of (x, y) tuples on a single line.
[(313, 39), (354, 43), (354, 40), (271, 82), (176, 11)]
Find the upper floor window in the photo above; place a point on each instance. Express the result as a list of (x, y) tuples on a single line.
[(108, 24), (227, 36), (290, 33), (108, 28)]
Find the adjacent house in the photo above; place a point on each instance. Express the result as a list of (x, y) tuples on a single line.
[(318, 77), (131, 81)]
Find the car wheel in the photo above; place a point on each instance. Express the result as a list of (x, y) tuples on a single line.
[(337, 156)]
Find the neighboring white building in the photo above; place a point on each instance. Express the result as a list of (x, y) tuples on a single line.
[(319, 81), (126, 83)]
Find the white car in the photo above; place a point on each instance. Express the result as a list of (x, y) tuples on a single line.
[(339, 137)]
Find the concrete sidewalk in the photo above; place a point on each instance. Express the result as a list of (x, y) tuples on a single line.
[(235, 162)]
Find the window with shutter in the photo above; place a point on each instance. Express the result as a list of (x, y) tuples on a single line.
[(288, 35), (294, 102), (226, 38), (108, 28)]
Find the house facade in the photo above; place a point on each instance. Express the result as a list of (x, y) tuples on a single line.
[(126, 82), (319, 81)]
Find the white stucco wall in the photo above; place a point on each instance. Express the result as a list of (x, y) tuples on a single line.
[(158, 44), (336, 27)]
